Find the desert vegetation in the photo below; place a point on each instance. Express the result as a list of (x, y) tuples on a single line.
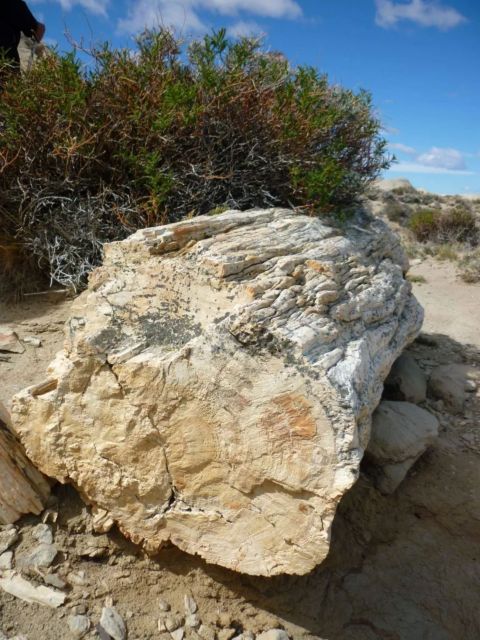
[(89, 152)]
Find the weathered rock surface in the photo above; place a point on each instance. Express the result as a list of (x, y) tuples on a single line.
[(401, 433), (22, 488), (218, 381)]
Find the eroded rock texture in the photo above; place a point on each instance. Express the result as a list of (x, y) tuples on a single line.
[(22, 488), (218, 380)]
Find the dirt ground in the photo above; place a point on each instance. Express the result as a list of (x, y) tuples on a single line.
[(401, 567)]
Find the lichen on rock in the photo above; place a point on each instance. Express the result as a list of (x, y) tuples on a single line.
[(218, 380)]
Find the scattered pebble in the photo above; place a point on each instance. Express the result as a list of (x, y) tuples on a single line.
[(8, 537), (192, 620), (77, 579), (112, 622), (178, 634), (79, 625), (54, 581), (226, 634), (32, 341), (190, 605), (207, 633), (173, 622)]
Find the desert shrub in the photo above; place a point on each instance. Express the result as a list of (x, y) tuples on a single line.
[(469, 267), (456, 225), (90, 153), (395, 211)]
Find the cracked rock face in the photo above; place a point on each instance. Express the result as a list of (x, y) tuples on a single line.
[(218, 380)]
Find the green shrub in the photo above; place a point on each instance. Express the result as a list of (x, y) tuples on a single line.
[(89, 154), (456, 225), (424, 224)]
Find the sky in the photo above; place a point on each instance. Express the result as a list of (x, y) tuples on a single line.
[(420, 59)]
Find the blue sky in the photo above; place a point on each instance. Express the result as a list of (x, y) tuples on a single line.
[(419, 58)]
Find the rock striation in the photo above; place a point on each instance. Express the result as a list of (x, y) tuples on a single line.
[(218, 380), (22, 488)]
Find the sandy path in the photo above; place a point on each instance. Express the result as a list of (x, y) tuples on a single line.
[(452, 307)]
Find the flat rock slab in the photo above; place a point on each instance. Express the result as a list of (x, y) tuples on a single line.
[(218, 380)]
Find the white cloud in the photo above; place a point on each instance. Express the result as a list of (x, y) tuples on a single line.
[(185, 14), (245, 29), (451, 159), (415, 167), (426, 13), (98, 7), (403, 148)]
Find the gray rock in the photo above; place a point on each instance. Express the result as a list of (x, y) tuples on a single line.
[(406, 381), (401, 432), (79, 625), (190, 605), (192, 621), (41, 557), (450, 383), (6, 560), (43, 533), (178, 634), (54, 581), (274, 634), (112, 622), (246, 635), (8, 537), (172, 623), (33, 342)]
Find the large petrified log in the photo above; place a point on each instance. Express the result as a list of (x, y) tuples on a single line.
[(218, 381), (22, 488)]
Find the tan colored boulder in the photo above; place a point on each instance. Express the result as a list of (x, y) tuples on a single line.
[(218, 380), (22, 488)]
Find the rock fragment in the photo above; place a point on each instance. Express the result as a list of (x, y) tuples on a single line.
[(17, 586), (112, 623), (406, 381), (43, 533), (8, 537), (190, 605), (401, 433), (450, 383), (274, 634), (206, 632), (163, 605), (79, 625), (42, 556), (6, 560)]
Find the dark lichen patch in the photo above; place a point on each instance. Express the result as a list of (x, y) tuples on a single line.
[(168, 330)]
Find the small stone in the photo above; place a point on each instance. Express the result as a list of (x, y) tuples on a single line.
[(192, 621), (43, 534), (163, 605), (112, 622), (173, 622), (78, 625), (6, 561), (274, 634), (246, 635), (54, 581), (178, 634), (448, 382), (41, 557), (77, 579), (8, 537), (80, 609), (190, 604), (207, 633), (32, 341), (224, 620), (226, 634)]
